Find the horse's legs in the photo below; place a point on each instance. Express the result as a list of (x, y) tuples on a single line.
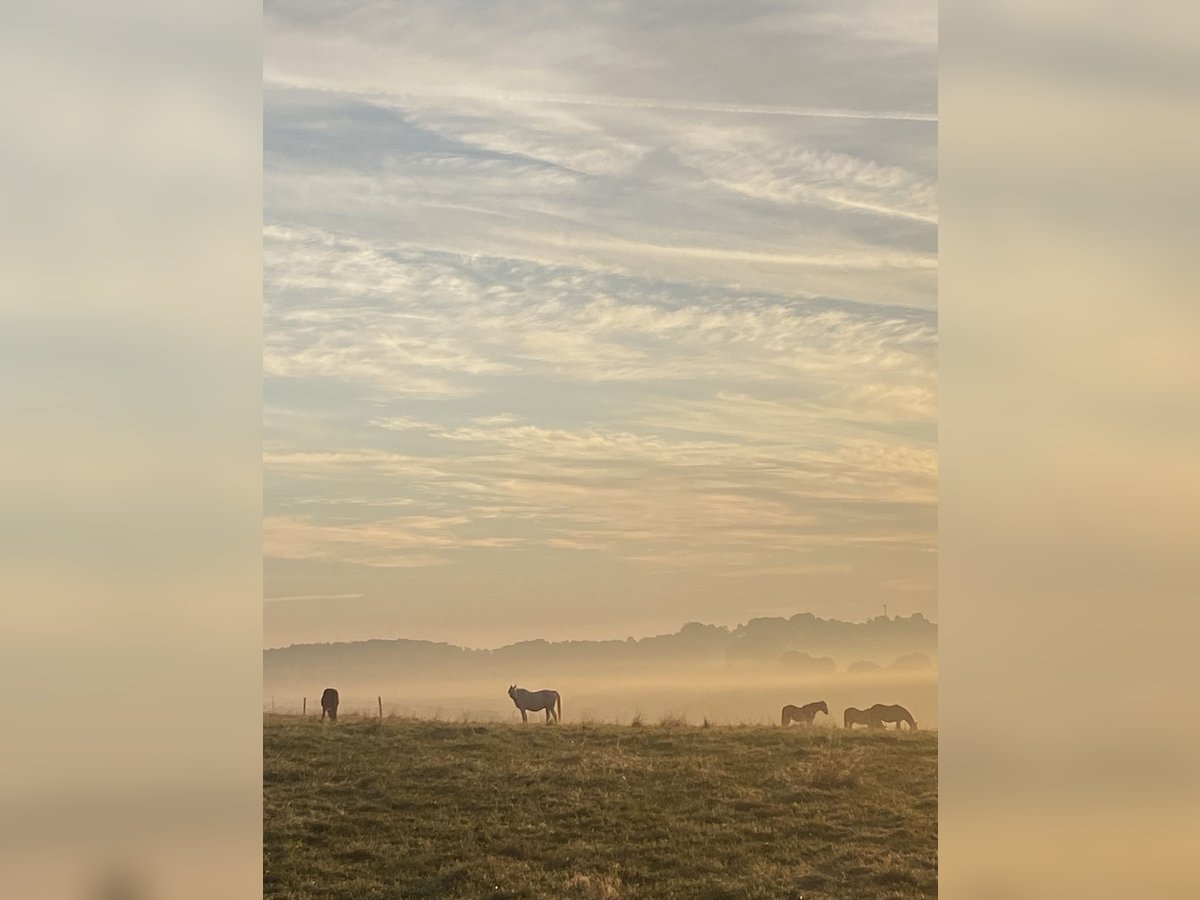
[(524, 718)]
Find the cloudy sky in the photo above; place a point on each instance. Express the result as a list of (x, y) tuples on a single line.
[(591, 319)]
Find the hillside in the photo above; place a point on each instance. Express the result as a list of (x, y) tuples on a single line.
[(797, 642)]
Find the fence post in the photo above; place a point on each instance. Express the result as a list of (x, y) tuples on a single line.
[(380, 699), (304, 707)]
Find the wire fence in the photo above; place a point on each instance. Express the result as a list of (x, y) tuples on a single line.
[(379, 707)]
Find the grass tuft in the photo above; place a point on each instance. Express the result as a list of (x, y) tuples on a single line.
[(595, 887), (833, 764)]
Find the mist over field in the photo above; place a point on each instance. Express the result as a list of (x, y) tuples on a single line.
[(727, 676)]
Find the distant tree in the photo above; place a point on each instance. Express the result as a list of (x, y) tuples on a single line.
[(862, 666), (912, 662), (699, 629), (803, 662), (758, 647)]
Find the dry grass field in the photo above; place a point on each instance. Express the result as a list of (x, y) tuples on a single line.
[(407, 809)]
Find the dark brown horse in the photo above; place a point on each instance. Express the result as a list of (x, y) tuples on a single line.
[(803, 714), (855, 716), (884, 714), (329, 704)]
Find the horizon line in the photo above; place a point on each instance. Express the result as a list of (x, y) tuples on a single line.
[(598, 640)]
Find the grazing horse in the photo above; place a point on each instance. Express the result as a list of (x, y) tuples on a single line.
[(535, 701), (897, 714), (803, 714), (853, 716), (329, 703)]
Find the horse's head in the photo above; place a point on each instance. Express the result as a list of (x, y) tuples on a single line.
[(823, 708), (512, 689)]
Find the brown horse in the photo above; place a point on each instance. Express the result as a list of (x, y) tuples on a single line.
[(854, 716), (884, 714), (329, 704), (803, 714)]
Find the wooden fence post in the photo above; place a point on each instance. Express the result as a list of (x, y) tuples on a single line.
[(304, 707), (380, 699)]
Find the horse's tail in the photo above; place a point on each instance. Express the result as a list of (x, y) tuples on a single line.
[(558, 703)]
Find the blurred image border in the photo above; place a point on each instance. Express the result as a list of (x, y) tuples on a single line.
[(130, 331), (1067, 439)]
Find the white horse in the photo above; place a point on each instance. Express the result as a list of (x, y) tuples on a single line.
[(535, 701)]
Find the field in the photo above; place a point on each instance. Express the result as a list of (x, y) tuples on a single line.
[(405, 809)]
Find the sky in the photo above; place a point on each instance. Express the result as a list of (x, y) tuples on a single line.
[(586, 320)]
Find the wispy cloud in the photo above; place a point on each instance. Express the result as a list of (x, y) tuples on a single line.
[(311, 597), (640, 292), (408, 542)]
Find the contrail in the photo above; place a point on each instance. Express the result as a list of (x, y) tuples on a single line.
[(751, 109)]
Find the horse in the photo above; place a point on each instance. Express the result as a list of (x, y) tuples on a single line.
[(803, 714), (329, 704), (535, 701), (853, 716), (897, 714)]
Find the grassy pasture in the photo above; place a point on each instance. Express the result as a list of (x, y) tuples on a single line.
[(407, 809)]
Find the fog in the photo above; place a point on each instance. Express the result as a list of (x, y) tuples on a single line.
[(722, 697), (702, 672)]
